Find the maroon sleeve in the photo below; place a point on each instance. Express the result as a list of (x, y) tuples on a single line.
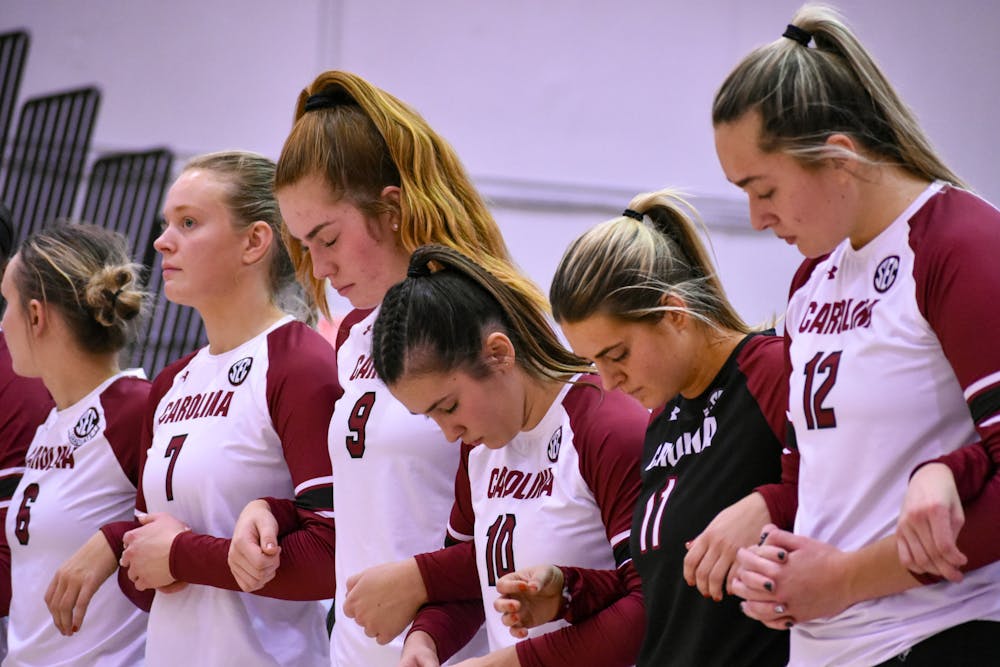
[(956, 243), (302, 390), (450, 574), (455, 608), (25, 405), (462, 522), (307, 562), (125, 405), (782, 499), (608, 432), (450, 624)]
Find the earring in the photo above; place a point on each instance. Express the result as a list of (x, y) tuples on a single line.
[(395, 226)]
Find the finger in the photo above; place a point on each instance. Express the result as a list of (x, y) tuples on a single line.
[(944, 534), (146, 519), (172, 588), (783, 539), (717, 578), (513, 583), (352, 582), (767, 616), (507, 605), (693, 558), (79, 610)]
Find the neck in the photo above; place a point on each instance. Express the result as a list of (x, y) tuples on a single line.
[(712, 356), (76, 374), (238, 316), (882, 200), (538, 398)]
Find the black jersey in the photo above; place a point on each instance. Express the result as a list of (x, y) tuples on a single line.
[(700, 456)]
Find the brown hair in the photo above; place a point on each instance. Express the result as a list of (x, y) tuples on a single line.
[(804, 95), (363, 140)]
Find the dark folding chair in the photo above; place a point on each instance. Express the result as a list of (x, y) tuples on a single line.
[(48, 155), (124, 194), (13, 55)]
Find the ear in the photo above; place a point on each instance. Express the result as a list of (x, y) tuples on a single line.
[(845, 144), (391, 195), (498, 351), (258, 239), (677, 316), (38, 318)]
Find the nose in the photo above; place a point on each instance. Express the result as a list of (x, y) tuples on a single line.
[(162, 242), (451, 430), (760, 217), (611, 379), (320, 268)]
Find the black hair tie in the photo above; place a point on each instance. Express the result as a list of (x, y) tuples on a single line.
[(328, 99), (797, 34), (635, 215), (418, 271), (114, 297)]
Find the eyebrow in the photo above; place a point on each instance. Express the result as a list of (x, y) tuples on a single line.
[(746, 181), (315, 230), (431, 409), (606, 350)]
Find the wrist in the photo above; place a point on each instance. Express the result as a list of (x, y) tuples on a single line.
[(414, 581)]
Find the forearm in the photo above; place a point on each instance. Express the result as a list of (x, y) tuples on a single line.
[(307, 561), (874, 571), (450, 624), (589, 642), (450, 574)]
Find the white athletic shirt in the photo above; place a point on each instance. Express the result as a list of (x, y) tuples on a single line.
[(879, 359), (80, 474), (562, 493), (393, 485), (215, 447)]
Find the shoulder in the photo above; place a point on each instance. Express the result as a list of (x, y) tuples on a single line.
[(805, 272), (762, 356), (956, 226), (351, 319), (124, 403), (299, 347), (165, 379), (597, 413)]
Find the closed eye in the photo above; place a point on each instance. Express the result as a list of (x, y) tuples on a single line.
[(766, 195)]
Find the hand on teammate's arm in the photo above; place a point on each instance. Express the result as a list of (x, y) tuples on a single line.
[(929, 524), (529, 598), (147, 550), (709, 563), (504, 657), (254, 554), (76, 581), (790, 579), (384, 599), (419, 650)]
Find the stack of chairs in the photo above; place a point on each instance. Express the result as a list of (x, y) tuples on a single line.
[(42, 172)]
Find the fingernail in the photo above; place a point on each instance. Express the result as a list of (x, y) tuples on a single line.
[(74, 629), (768, 586), (788, 624), (743, 607), (763, 536), (781, 555), (687, 545), (779, 609)]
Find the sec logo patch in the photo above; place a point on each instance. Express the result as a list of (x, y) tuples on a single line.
[(238, 372)]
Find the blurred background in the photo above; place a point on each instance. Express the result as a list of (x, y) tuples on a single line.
[(560, 110)]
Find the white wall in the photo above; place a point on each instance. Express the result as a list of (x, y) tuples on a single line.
[(561, 110)]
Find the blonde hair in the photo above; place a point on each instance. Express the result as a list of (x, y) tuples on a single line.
[(84, 271), (804, 95), (626, 267), (363, 140), (248, 178)]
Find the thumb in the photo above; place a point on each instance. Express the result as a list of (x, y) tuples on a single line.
[(145, 518), (269, 542)]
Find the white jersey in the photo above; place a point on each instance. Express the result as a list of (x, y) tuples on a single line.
[(221, 438), (879, 363), (393, 485), (562, 493), (80, 473)]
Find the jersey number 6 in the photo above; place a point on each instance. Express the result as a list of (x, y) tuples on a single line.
[(24, 513)]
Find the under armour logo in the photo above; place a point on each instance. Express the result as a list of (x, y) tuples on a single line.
[(184, 376), (831, 273), (367, 330)]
